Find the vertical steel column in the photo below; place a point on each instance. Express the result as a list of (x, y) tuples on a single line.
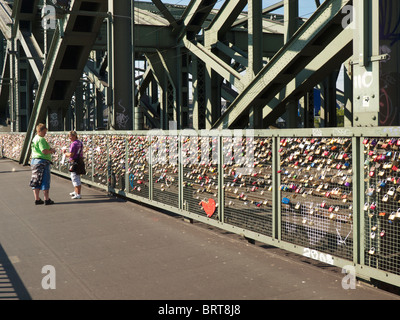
[(78, 116), (276, 194), (14, 112), (221, 189), (99, 117), (291, 14), (110, 88), (358, 200), (255, 60), (366, 64), (23, 91), (348, 94), (121, 60), (199, 99)]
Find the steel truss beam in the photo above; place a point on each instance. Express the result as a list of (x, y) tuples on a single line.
[(260, 62), (291, 59)]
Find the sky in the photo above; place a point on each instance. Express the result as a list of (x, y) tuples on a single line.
[(306, 7)]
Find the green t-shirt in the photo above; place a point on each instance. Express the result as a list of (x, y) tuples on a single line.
[(38, 145)]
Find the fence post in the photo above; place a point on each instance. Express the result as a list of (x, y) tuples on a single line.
[(221, 195), (276, 196)]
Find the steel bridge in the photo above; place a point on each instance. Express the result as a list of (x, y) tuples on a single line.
[(133, 65), (326, 187)]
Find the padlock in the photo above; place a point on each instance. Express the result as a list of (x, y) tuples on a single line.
[(373, 206), (385, 198), (391, 191), (395, 165), (328, 194), (372, 235), (382, 233), (371, 251), (370, 190), (372, 172), (371, 214)]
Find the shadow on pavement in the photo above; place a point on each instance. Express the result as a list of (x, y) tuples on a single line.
[(11, 285)]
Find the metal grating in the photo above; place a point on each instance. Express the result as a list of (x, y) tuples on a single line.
[(316, 194), (314, 174), (117, 156), (382, 203), (165, 180), (99, 156), (11, 146), (248, 183), (58, 142), (87, 155), (138, 166), (200, 175)]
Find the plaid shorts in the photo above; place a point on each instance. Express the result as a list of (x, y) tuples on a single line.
[(45, 185)]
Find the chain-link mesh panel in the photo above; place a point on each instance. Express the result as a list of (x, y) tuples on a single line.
[(138, 166), (99, 152), (165, 169), (382, 203), (87, 155), (248, 183), (12, 145), (200, 175), (316, 194), (117, 151), (59, 143)]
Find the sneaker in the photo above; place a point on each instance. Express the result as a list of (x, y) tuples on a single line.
[(40, 201), (76, 196), (72, 193), (48, 202)]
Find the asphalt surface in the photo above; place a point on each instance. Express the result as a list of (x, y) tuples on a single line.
[(106, 248)]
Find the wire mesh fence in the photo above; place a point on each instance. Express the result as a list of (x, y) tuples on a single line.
[(381, 208), (336, 195), (248, 183), (316, 194)]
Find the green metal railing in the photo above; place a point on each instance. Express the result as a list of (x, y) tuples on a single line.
[(332, 195)]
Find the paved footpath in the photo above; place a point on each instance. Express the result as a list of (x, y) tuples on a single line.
[(103, 247)]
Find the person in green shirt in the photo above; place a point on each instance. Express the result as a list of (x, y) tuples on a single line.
[(40, 164)]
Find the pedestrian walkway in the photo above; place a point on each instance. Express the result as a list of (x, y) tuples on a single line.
[(104, 247)]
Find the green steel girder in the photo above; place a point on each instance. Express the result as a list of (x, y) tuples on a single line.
[(330, 58), (217, 46), (224, 19), (68, 54), (11, 31), (194, 16), (291, 59), (216, 63)]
